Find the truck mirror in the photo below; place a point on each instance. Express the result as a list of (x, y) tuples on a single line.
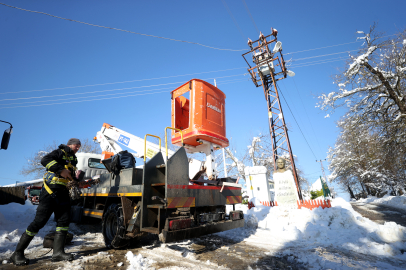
[(6, 138)]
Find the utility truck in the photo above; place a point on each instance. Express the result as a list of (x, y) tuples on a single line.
[(170, 195)]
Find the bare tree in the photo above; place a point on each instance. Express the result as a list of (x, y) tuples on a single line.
[(34, 167), (258, 153)]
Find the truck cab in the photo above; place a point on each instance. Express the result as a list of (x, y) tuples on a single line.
[(90, 164)]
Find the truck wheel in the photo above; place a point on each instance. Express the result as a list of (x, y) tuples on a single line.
[(113, 228)]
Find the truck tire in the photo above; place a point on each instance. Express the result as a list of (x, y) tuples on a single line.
[(113, 229)]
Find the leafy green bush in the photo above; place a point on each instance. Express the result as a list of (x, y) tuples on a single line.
[(316, 194)]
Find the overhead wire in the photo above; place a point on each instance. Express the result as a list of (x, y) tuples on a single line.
[(122, 30), (49, 104), (118, 89), (307, 115), (104, 95), (166, 77), (317, 61), (297, 124), (234, 20), (293, 109), (323, 47), (323, 55), (322, 62), (294, 65), (357, 41), (78, 101), (249, 13), (126, 88), (101, 84)]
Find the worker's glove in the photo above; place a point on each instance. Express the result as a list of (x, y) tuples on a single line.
[(72, 184), (74, 193), (66, 174)]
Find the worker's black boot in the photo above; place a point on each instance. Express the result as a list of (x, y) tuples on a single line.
[(59, 244), (18, 256)]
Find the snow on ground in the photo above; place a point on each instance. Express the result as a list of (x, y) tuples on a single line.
[(14, 220), (394, 201), (177, 256), (331, 238), (338, 229)]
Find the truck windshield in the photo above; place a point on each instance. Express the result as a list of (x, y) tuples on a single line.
[(35, 192), (95, 163)]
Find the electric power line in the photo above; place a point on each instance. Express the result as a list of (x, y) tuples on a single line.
[(101, 91), (166, 77), (101, 98), (317, 61), (100, 84), (122, 30), (71, 87), (297, 124), (232, 17), (249, 13), (293, 109), (323, 47), (322, 55), (322, 62), (104, 95), (333, 46), (118, 89), (308, 118)]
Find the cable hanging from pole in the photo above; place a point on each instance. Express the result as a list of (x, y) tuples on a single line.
[(122, 30)]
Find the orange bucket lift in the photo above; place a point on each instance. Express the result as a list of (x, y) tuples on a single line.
[(198, 110)]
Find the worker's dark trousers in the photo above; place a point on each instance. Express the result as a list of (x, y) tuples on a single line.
[(60, 206)]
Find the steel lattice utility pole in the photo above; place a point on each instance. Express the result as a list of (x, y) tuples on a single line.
[(264, 74), (322, 168)]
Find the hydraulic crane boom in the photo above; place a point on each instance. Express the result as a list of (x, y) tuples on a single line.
[(110, 138)]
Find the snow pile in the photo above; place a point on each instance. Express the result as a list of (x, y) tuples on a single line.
[(394, 201), (138, 262), (14, 220), (79, 263), (173, 256), (336, 228)]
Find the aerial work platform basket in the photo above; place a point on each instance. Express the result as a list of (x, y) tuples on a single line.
[(198, 109)]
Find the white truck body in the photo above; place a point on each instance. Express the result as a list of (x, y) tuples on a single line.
[(87, 162), (90, 164)]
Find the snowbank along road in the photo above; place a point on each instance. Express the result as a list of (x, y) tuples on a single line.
[(272, 238)]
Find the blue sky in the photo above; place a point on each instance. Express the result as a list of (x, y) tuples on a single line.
[(40, 52)]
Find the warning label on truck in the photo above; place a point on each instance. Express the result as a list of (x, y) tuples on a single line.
[(150, 153)]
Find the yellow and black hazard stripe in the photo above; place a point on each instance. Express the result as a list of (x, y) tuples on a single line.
[(234, 199), (178, 202)]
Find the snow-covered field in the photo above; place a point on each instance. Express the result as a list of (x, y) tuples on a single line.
[(332, 238)]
